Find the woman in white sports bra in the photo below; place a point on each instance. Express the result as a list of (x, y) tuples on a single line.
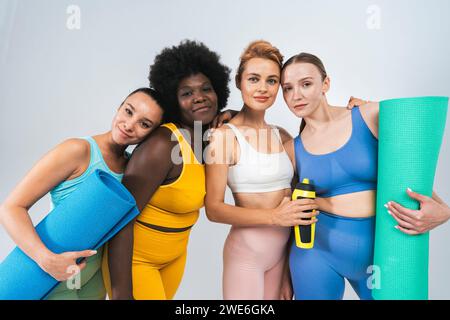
[(248, 155)]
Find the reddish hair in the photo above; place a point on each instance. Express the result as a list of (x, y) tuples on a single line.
[(258, 49)]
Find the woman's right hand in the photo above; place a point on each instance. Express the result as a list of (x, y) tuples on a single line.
[(63, 266), (291, 213)]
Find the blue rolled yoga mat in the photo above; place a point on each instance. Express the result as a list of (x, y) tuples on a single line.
[(86, 219)]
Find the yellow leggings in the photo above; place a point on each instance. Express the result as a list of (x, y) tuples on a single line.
[(159, 259)]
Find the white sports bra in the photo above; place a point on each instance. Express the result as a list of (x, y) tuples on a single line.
[(257, 172)]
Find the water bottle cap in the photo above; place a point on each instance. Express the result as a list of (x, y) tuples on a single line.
[(306, 185)]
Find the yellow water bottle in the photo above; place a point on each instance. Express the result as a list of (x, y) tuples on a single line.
[(304, 235)]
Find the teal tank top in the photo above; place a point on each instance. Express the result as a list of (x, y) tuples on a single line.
[(62, 191), (91, 281)]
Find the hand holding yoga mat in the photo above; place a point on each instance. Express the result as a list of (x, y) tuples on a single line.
[(87, 219), (410, 136)]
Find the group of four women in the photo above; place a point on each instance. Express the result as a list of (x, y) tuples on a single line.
[(172, 174)]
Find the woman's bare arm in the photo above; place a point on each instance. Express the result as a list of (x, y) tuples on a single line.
[(65, 161), (147, 169)]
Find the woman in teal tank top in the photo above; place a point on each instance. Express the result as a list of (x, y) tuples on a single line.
[(60, 172), (91, 281)]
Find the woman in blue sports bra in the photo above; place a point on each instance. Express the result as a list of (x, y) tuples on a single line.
[(337, 150), (60, 172)]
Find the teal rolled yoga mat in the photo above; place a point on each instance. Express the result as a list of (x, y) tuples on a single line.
[(410, 136), (86, 219)]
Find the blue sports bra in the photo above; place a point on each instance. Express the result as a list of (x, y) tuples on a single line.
[(351, 168)]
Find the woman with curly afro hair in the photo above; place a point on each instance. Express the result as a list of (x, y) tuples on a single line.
[(166, 177)]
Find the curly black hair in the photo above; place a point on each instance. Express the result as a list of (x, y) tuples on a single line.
[(188, 58)]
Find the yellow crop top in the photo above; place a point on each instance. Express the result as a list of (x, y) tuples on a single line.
[(177, 205)]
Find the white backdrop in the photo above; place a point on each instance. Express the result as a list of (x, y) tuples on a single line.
[(66, 65)]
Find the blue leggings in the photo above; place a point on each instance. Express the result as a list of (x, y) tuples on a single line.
[(343, 248)]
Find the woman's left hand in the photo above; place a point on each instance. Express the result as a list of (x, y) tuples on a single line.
[(430, 215)]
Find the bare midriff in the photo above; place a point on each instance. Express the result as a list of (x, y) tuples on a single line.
[(352, 205), (263, 200)]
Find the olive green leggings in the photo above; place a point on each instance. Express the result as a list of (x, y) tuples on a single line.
[(91, 283)]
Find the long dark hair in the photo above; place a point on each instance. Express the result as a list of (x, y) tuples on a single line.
[(152, 93), (306, 58)]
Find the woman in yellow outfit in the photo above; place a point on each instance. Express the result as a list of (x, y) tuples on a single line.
[(159, 255), (147, 258)]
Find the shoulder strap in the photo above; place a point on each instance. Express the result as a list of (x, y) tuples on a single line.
[(277, 132), (298, 149), (358, 123), (239, 136), (95, 153), (172, 127), (186, 149)]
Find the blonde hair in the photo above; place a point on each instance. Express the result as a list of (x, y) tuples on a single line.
[(258, 49)]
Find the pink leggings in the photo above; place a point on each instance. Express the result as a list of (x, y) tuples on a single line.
[(253, 262)]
